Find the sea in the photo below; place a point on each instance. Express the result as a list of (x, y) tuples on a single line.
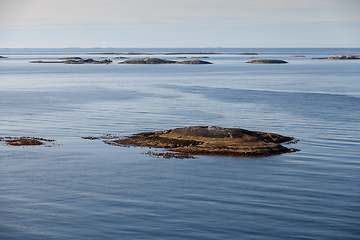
[(76, 188)]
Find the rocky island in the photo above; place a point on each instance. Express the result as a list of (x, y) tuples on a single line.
[(344, 57), (267, 61), (210, 140), (147, 61), (162, 61), (77, 61), (3, 57)]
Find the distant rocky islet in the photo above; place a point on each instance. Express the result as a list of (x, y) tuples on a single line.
[(163, 61), (267, 61), (76, 60), (342, 57)]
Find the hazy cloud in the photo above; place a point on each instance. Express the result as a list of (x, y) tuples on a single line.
[(220, 21), (32, 12)]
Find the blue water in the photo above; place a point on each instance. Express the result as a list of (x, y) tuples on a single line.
[(82, 189)]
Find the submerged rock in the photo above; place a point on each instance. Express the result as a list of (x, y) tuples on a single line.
[(298, 56), (3, 57), (210, 140), (267, 61)]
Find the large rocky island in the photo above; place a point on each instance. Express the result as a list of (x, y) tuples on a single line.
[(162, 61), (210, 140)]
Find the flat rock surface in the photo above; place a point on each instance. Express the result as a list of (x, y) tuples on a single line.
[(210, 140)]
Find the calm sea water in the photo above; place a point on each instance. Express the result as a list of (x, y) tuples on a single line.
[(81, 189)]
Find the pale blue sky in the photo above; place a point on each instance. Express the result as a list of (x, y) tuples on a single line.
[(179, 23)]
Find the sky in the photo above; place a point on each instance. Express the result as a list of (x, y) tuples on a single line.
[(179, 23)]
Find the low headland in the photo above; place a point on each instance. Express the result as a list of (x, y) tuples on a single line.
[(208, 140)]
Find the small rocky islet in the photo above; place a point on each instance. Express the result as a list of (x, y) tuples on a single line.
[(76, 60), (27, 141), (162, 61), (208, 140), (342, 57)]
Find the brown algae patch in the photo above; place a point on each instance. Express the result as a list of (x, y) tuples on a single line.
[(28, 141), (209, 140)]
